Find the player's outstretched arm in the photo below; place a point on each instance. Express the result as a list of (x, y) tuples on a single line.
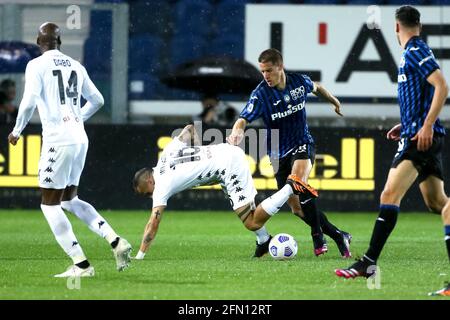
[(237, 134), (425, 135), (150, 231), (189, 135), (322, 92)]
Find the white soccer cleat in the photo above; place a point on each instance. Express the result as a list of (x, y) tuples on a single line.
[(122, 253), (75, 272)]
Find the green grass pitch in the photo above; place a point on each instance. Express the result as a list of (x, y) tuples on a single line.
[(206, 255)]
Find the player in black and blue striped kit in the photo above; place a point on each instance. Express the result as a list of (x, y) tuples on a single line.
[(422, 91), (280, 101)]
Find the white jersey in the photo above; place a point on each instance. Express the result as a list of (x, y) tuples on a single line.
[(55, 83), (182, 167)]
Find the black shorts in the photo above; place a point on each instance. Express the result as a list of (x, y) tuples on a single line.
[(428, 163), (302, 152)]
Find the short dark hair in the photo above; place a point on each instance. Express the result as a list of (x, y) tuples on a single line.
[(408, 16), (139, 176), (271, 55), (7, 83)]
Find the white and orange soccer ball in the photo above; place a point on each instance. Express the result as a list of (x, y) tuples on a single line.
[(283, 247)]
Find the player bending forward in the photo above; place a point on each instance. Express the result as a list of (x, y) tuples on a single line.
[(184, 165)]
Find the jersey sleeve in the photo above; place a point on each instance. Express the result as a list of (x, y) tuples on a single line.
[(422, 60), (32, 90), (253, 109), (309, 84), (161, 194)]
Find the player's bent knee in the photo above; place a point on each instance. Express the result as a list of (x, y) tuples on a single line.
[(66, 205)]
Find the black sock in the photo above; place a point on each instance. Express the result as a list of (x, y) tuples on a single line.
[(328, 228), (447, 239), (384, 225), (83, 264), (115, 243), (312, 217)]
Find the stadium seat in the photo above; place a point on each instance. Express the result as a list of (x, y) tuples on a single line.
[(193, 17), (403, 2), (322, 1), (144, 54), (440, 2), (231, 45), (100, 23), (365, 2), (143, 86), (231, 17), (186, 48), (97, 55), (160, 22)]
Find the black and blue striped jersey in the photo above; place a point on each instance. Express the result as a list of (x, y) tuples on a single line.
[(415, 93), (283, 110)]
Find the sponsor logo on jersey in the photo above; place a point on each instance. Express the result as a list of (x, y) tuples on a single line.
[(291, 110)]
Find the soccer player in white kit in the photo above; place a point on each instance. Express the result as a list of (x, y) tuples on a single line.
[(54, 82), (183, 165)]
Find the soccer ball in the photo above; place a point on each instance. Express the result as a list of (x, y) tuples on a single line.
[(283, 246)]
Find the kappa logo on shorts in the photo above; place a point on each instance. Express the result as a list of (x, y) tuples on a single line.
[(242, 198), (51, 149), (51, 160), (239, 189), (48, 180), (48, 169)]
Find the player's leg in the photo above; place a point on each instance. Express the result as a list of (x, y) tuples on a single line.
[(399, 180), (89, 215), (302, 168), (342, 238), (54, 166)]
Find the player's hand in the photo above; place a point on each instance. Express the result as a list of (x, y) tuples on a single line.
[(235, 138), (394, 133), (337, 108), (12, 139), (424, 138)]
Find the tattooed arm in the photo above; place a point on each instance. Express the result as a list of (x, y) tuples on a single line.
[(150, 230)]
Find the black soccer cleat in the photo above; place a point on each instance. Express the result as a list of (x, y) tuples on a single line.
[(262, 249), (344, 245), (361, 268), (320, 244)]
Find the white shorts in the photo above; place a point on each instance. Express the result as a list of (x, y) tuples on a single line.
[(238, 181), (61, 166)]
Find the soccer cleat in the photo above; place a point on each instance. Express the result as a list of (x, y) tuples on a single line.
[(122, 253), (344, 245), (320, 244), (360, 268), (262, 249), (445, 292), (300, 187), (76, 272)]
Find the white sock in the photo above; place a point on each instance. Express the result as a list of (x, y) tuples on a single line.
[(274, 203), (87, 213), (62, 230), (262, 235)]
